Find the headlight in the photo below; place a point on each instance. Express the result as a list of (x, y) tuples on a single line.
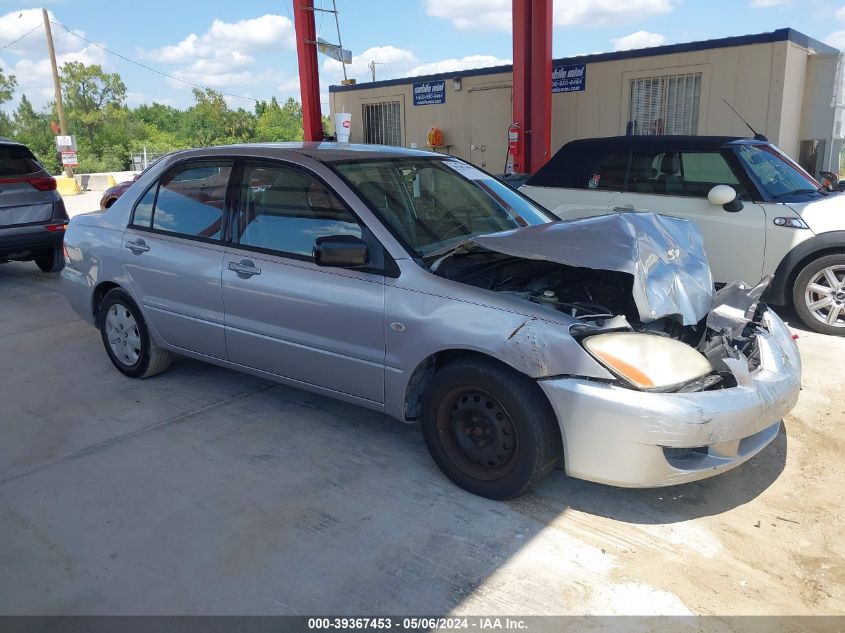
[(648, 361)]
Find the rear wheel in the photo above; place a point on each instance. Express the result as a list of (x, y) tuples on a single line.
[(819, 295), (51, 261), (489, 428), (127, 339)]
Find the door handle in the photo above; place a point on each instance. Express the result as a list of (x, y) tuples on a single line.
[(137, 246), (244, 267), (627, 207)]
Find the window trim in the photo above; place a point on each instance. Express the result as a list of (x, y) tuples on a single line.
[(385, 265), (225, 213)]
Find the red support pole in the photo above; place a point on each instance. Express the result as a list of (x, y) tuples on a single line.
[(532, 82), (309, 76)]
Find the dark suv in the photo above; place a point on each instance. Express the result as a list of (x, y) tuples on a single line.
[(32, 213)]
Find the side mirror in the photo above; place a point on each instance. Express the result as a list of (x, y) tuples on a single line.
[(340, 251), (725, 197)]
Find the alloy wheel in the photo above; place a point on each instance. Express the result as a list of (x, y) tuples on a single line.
[(824, 296)]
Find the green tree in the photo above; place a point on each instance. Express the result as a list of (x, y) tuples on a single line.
[(91, 96), (279, 123), (33, 130), (7, 87)]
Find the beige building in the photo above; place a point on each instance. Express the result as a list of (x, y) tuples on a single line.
[(785, 84)]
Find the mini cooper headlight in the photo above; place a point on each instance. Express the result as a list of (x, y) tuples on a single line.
[(648, 361)]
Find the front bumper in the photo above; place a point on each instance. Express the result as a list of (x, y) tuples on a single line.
[(631, 438)]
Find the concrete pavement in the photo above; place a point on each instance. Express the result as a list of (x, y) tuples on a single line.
[(205, 491)]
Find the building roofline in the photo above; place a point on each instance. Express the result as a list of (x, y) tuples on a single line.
[(780, 35)]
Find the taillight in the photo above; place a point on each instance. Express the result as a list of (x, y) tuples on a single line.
[(47, 183), (55, 228), (42, 183)]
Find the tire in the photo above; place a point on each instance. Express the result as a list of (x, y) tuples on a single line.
[(127, 339), (819, 295), (51, 261), (489, 429)]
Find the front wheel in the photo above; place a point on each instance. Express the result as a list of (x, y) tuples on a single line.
[(489, 429), (51, 261), (819, 295), (127, 339)]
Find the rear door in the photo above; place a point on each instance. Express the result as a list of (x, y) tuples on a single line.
[(676, 183), (286, 315), (24, 195), (173, 254)]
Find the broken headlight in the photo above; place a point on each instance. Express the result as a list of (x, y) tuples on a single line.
[(648, 361)]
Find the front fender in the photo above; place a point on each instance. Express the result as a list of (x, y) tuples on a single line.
[(779, 291)]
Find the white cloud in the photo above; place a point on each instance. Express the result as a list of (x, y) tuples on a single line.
[(840, 13), (222, 57), (495, 15), (764, 4), (836, 39), (640, 39), (28, 60), (390, 62), (451, 65)]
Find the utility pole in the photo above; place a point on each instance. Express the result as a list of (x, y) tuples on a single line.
[(372, 67), (339, 42), (56, 85)]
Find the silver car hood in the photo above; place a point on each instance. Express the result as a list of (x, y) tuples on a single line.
[(665, 256)]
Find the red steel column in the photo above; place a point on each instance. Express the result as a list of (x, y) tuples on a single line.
[(532, 82), (309, 76)]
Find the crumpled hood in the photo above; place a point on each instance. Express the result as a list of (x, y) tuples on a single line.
[(665, 256)]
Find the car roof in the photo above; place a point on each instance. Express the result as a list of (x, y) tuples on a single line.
[(575, 161), (322, 151)]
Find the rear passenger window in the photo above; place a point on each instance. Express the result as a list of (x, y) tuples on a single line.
[(191, 199), (609, 173), (285, 210)]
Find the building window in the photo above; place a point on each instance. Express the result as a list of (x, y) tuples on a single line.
[(665, 105), (382, 123)]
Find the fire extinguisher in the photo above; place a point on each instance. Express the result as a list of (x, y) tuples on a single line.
[(513, 147)]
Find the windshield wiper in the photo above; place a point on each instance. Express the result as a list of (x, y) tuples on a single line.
[(794, 193)]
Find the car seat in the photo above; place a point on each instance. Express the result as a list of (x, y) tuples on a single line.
[(641, 174), (670, 180)]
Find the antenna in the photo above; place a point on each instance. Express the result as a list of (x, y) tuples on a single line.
[(757, 135)]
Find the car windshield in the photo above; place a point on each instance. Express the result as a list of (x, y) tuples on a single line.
[(433, 204), (775, 172)]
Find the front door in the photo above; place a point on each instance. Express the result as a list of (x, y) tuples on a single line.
[(676, 183), (488, 134), (286, 315), (173, 255)]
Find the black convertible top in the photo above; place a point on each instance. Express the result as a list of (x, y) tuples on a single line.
[(574, 162)]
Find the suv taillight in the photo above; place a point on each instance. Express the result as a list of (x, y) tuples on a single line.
[(42, 183)]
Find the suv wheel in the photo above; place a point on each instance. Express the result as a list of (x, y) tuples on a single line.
[(51, 261), (489, 429), (819, 295), (127, 339)]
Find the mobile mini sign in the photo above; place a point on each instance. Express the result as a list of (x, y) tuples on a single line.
[(569, 78), (429, 93)]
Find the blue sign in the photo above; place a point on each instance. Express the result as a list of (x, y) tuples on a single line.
[(429, 93), (569, 78)]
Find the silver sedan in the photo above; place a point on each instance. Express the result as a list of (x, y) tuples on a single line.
[(414, 284)]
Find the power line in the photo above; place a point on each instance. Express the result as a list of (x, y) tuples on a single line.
[(158, 72), (32, 30)]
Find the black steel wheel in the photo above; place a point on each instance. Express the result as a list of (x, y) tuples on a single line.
[(489, 429)]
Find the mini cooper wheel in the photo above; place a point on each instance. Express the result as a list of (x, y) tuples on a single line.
[(126, 338), (819, 295), (489, 429)]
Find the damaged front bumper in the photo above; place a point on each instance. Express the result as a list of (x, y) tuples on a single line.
[(629, 438)]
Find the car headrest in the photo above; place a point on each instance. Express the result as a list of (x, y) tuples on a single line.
[(641, 167), (671, 164)]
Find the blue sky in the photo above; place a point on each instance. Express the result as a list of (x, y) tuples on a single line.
[(247, 48)]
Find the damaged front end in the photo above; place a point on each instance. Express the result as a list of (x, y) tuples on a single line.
[(633, 272)]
